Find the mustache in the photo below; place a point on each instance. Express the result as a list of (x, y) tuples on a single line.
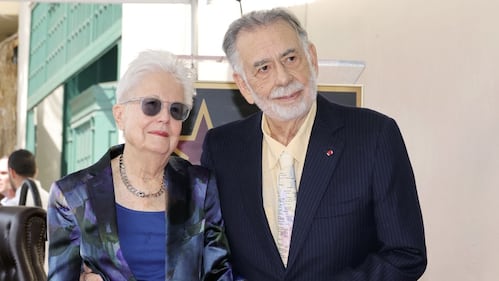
[(287, 90)]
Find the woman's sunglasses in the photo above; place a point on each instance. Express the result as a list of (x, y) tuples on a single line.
[(152, 106)]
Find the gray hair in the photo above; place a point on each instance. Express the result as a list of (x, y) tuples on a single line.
[(254, 20), (151, 61)]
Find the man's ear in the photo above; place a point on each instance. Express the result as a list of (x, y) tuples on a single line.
[(313, 55), (12, 173), (243, 88)]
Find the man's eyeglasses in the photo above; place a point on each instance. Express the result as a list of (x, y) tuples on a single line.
[(152, 106)]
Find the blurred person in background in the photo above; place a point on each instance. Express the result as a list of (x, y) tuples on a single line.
[(6, 190), (22, 166)]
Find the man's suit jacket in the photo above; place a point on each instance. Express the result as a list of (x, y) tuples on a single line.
[(357, 215), (83, 228)]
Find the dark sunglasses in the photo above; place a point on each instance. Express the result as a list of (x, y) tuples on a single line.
[(152, 106)]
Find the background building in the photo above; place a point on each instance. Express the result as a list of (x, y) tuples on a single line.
[(8, 75)]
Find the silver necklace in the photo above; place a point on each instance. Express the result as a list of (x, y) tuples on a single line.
[(134, 190)]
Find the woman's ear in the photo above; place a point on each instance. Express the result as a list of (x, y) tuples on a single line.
[(119, 115)]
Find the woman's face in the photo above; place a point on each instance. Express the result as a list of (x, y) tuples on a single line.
[(159, 133)]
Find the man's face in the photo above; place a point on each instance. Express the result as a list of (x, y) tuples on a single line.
[(4, 176), (279, 77)]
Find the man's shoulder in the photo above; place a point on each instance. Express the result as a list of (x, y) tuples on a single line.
[(351, 115), (354, 111), (9, 201), (242, 125)]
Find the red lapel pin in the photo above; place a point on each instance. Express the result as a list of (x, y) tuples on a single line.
[(329, 152)]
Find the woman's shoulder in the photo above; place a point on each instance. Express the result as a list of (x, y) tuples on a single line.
[(184, 166)]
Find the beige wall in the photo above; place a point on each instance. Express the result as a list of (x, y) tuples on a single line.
[(434, 67), (49, 143)]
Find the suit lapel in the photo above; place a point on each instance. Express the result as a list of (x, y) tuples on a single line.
[(184, 220), (251, 190), (323, 153), (101, 194)]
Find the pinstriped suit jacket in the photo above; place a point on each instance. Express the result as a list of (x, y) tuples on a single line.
[(357, 215)]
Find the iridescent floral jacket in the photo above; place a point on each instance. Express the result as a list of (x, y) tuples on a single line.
[(82, 225)]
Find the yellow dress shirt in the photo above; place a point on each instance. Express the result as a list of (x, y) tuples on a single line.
[(271, 149)]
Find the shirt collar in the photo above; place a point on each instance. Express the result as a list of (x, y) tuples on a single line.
[(297, 147)]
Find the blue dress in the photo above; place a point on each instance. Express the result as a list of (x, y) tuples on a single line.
[(142, 239)]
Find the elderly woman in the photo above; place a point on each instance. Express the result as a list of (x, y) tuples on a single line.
[(141, 213)]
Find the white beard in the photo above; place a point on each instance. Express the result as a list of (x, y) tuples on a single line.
[(277, 111)]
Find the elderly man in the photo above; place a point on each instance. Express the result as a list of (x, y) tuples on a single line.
[(309, 190)]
